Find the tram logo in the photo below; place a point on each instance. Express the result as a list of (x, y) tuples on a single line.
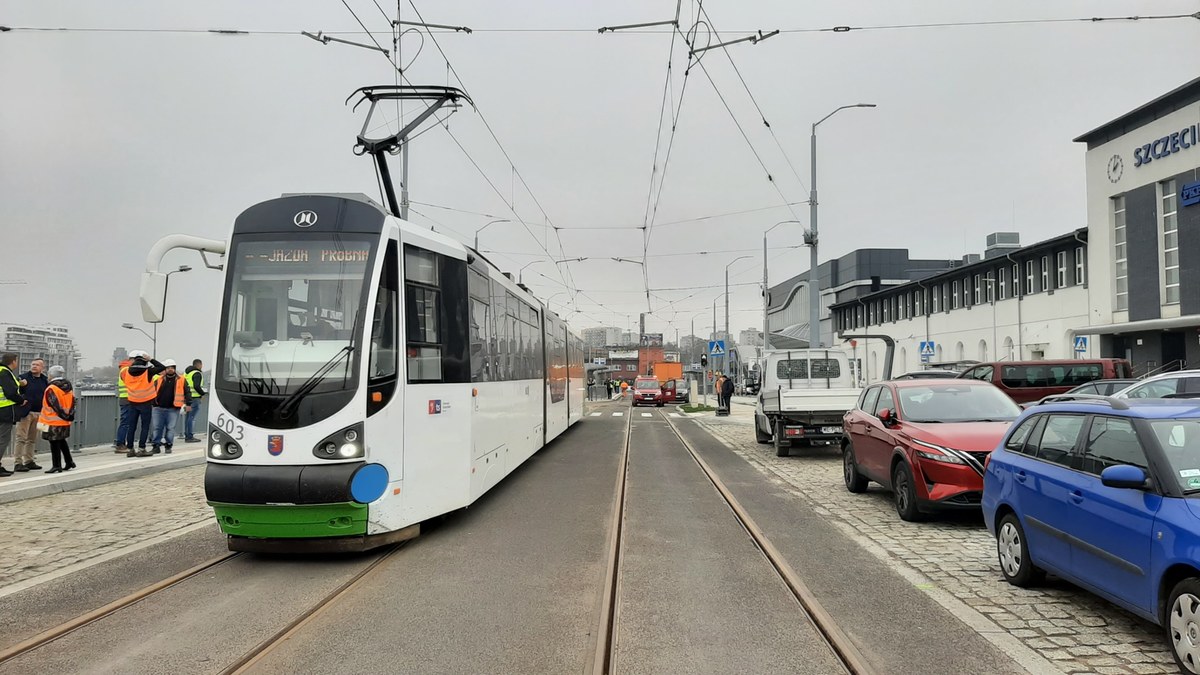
[(305, 219), (275, 444)]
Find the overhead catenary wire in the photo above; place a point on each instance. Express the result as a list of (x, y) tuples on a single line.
[(521, 29)]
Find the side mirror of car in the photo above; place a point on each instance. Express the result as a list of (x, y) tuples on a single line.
[(885, 416), (1124, 476)]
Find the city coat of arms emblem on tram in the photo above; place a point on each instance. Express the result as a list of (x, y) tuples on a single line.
[(275, 444)]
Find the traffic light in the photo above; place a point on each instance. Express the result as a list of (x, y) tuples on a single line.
[(703, 360)]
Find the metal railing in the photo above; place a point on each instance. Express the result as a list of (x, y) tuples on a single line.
[(1169, 367), (97, 417)]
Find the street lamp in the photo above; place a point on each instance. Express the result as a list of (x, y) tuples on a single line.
[(499, 220), (725, 356), (153, 338), (521, 272), (814, 287), (766, 330)]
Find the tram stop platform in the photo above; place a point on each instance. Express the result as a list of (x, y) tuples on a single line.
[(94, 465)]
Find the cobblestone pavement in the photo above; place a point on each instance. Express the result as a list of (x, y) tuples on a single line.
[(1072, 628), (48, 533)]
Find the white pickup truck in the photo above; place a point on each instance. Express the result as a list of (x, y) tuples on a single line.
[(804, 394)]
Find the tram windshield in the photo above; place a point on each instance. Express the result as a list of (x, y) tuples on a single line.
[(293, 315)]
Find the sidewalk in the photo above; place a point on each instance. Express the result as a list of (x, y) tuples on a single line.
[(95, 465)]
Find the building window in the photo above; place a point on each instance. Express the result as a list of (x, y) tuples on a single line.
[(1121, 263), (1003, 283), (1079, 257), (917, 297), (1045, 273), (1170, 243), (978, 291), (954, 295), (1016, 281), (936, 294), (990, 286), (1062, 270), (1028, 277)]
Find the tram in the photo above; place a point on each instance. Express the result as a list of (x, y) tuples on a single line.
[(370, 375)]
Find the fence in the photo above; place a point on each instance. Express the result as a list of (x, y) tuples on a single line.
[(97, 415)]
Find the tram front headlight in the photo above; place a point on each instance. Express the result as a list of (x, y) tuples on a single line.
[(223, 447), (215, 451), (346, 443)]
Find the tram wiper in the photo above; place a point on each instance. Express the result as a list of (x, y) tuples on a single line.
[(287, 407)]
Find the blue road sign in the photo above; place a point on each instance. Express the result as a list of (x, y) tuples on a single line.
[(927, 351), (1081, 343), (716, 348)]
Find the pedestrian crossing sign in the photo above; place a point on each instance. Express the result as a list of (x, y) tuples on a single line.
[(927, 351), (716, 347), (1081, 343)]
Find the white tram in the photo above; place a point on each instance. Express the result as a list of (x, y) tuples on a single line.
[(371, 374)]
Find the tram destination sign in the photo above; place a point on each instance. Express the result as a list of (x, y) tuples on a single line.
[(264, 256)]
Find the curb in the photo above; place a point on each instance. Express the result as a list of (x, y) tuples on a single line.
[(98, 477)]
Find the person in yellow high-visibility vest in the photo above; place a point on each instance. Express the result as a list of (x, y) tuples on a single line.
[(10, 402), (121, 442), (195, 392)]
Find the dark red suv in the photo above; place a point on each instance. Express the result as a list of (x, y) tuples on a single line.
[(925, 440)]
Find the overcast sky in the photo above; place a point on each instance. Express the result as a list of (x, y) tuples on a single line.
[(109, 141)]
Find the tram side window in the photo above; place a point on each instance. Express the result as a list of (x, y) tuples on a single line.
[(422, 304), (481, 331), (384, 343)]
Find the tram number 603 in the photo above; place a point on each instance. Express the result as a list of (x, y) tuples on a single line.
[(230, 426)]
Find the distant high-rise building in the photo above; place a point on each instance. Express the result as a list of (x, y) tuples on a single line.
[(118, 356), (601, 336), (53, 344), (751, 337)]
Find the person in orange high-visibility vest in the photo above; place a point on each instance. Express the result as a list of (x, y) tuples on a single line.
[(58, 411), (169, 397), (139, 384)]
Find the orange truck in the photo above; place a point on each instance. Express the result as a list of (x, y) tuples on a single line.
[(668, 370)]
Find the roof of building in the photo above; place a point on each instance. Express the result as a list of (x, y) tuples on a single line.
[(1166, 104), (967, 270)]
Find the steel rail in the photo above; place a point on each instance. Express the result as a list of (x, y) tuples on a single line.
[(46, 637), (837, 640), (601, 658)]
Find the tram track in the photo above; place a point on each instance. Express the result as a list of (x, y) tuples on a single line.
[(53, 634), (840, 645)]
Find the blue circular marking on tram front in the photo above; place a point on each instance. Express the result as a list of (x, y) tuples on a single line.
[(368, 483)]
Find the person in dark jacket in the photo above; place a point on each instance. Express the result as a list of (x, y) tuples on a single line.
[(10, 401), (194, 378), (726, 391), (57, 413), (170, 394), (33, 388)]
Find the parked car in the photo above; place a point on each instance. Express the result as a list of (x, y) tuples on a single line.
[(925, 440), (1106, 494), (1027, 381), (931, 374), (648, 391), (1179, 384), (676, 391), (1097, 388)]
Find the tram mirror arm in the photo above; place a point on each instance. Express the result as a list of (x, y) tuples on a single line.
[(153, 291)]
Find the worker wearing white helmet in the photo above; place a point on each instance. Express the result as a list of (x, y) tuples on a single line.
[(138, 378)]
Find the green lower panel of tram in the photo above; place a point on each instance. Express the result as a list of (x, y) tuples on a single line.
[(291, 522)]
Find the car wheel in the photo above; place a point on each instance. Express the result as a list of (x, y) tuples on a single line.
[(1013, 550), (782, 444), (1183, 624), (855, 481), (759, 435), (905, 493)]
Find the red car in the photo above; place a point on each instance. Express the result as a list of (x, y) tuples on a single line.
[(925, 440), (648, 391)]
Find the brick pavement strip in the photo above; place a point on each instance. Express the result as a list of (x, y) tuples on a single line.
[(48, 533), (1076, 630)]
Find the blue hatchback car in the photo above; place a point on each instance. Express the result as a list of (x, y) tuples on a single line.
[(1105, 493)]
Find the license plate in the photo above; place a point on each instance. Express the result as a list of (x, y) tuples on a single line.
[(831, 430)]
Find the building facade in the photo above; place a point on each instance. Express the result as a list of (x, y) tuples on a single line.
[(53, 344), (1143, 210), (1019, 304), (856, 273), (601, 336)]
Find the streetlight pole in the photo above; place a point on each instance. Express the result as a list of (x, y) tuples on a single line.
[(153, 338), (766, 327), (814, 288), (521, 272), (725, 356), (500, 220)]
